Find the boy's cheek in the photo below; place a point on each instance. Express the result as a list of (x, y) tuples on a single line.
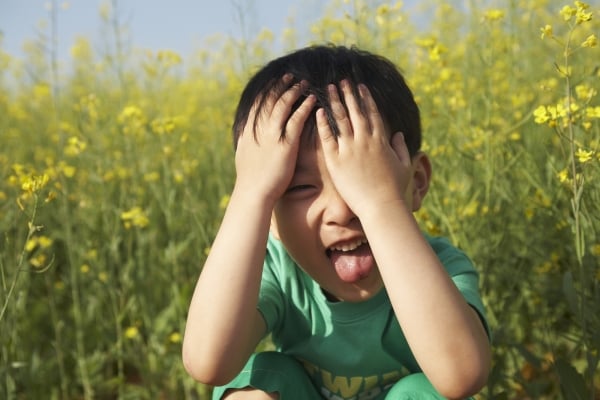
[(274, 228)]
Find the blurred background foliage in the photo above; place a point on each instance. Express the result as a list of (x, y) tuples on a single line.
[(114, 176)]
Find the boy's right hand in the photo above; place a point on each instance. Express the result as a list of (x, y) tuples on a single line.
[(264, 159)]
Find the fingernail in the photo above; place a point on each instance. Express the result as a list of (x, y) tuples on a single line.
[(362, 88), (332, 89)]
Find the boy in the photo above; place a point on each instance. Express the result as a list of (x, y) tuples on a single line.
[(359, 302)]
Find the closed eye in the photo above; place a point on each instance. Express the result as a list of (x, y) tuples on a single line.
[(299, 188)]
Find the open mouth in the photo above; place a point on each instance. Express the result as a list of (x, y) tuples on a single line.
[(346, 247), (352, 260)]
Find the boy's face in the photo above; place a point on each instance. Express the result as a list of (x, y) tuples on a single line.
[(323, 235)]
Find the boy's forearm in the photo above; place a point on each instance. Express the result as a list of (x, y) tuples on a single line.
[(221, 328), (443, 331)]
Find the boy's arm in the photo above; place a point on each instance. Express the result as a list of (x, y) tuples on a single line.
[(445, 334), (223, 325)]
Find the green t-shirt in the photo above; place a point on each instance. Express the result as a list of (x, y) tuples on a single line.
[(350, 350)]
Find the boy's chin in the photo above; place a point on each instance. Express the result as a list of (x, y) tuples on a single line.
[(354, 293)]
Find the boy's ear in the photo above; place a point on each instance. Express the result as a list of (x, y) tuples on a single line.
[(421, 179)]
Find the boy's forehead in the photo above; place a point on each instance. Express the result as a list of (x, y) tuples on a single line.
[(307, 153)]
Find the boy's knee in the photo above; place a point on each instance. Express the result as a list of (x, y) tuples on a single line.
[(249, 394), (269, 375), (413, 387)]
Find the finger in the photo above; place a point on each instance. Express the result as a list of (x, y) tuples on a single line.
[(272, 97), (339, 111), (261, 109), (295, 123), (374, 117), (360, 124), (250, 124), (326, 136), (283, 106)]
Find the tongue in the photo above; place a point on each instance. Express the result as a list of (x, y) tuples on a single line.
[(352, 266)]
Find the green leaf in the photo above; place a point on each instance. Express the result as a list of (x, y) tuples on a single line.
[(569, 292), (572, 383)]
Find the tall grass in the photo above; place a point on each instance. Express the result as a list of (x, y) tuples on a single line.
[(115, 170)]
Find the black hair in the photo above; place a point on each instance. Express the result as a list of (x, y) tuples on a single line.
[(321, 65)]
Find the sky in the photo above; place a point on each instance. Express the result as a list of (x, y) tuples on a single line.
[(178, 25)]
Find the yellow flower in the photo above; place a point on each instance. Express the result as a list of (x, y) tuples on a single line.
[(178, 176), (130, 112), (582, 16), (91, 254), (132, 332), (103, 277), (436, 51), (541, 115), (493, 15), (224, 202), (163, 125), (105, 10), (67, 170), (134, 217), (74, 146), (152, 177), (175, 337), (34, 183), (31, 244), (44, 241), (592, 112), (563, 176), (51, 196), (595, 249), (584, 156), (168, 57), (132, 120), (529, 213), (585, 92), (425, 42), (82, 49), (590, 41), (567, 12), (38, 261), (41, 91), (546, 31), (515, 136), (84, 269)]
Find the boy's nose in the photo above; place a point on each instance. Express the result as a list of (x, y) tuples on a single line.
[(337, 211)]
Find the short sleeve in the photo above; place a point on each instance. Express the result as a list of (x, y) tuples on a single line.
[(271, 298)]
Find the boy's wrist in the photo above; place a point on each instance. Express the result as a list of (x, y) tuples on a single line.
[(383, 211), (252, 198)]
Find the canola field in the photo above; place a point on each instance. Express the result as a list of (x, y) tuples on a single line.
[(115, 170)]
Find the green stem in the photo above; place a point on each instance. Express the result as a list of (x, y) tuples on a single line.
[(56, 323), (19, 269), (77, 314), (577, 187)]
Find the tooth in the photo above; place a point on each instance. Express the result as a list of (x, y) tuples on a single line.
[(349, 246)]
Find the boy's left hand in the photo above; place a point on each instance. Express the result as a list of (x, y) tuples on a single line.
[(368, 168)]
